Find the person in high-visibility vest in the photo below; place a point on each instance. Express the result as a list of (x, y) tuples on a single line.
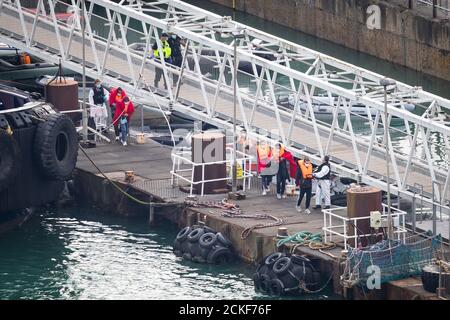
[(166, 53), (264, 154), (304, 179)]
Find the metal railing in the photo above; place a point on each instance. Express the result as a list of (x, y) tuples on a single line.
[(182, 159), (336, 222)]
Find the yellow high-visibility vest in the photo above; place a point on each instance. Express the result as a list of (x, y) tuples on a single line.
[(166, 50)]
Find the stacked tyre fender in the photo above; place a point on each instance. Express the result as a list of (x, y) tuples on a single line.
[(203, 245), (285, 274)]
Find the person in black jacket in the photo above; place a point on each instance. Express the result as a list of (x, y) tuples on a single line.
[(177, 57), (304, 178)]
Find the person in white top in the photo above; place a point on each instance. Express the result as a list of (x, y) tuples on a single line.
[(98, 96), (323, 174)]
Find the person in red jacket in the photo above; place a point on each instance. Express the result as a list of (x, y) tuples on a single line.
[(119, 107), (286, 168)]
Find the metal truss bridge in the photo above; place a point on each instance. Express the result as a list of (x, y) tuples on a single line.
[(118, 42)]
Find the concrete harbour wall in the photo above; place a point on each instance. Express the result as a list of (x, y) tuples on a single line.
[(395, 34)]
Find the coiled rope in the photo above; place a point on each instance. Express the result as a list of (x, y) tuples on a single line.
[(305, 238)]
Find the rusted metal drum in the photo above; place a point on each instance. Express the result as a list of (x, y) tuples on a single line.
[(209, 147), (360, 201), (63, 95)]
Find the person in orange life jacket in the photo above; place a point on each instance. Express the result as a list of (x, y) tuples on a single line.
[(264, 155), (304, 178), (284, 160), (323, 174), (117, 103), (166, 53)]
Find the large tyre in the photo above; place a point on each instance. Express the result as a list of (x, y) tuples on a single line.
[(265, 283), (195, 235), (208, 229), (182, 235), (224, 241), (56, 146), (430, 278), (10, 159), (207, 240), (271, 259), (257, 282), (282, 265), (276, 287), (219, 255)]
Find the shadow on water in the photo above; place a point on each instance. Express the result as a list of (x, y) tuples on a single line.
[(83, 254)]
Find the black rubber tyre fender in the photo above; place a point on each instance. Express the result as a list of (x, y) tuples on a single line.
[(257, 282), (219, 255), (182, 235), (265, 283), (208, 229), (56, 146), (195, 235), (282, 265), (300, 260), (207, 240), (224, 241), (430, 278), (272, 258), (276, 287), (347, 181), (10, 159), (176, 245)]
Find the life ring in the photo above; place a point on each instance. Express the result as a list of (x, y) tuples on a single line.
[(10, 159), (56, 146)]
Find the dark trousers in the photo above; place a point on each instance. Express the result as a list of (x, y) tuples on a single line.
[(304, 191), (176, 61), (158, 74), (281, 184), (266, 181)]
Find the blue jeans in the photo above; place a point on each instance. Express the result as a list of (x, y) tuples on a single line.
[(124, 130)]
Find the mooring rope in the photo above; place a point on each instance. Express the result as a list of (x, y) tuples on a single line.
[(232, 210)]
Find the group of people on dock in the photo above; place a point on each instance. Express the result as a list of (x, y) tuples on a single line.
[(121, 107), (276, 161)]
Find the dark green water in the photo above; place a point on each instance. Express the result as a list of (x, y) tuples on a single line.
[(77, 255)]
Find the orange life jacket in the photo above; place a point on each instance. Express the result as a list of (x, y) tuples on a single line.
[(263, 153), (25, 59), (306, 170)]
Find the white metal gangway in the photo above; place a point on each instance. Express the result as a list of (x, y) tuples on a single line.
[(118, 50)]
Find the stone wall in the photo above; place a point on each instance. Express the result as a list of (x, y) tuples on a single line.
[(404, 37)]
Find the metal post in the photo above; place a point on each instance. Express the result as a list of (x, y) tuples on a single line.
[(84, 115), (434, 207), (386, 141), (434, 8), (234, 182)]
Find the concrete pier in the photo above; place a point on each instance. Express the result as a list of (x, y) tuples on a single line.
[(160, 202)]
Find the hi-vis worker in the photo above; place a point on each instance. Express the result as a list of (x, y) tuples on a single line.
[(323, 174), (304, 178), (167, 53)]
